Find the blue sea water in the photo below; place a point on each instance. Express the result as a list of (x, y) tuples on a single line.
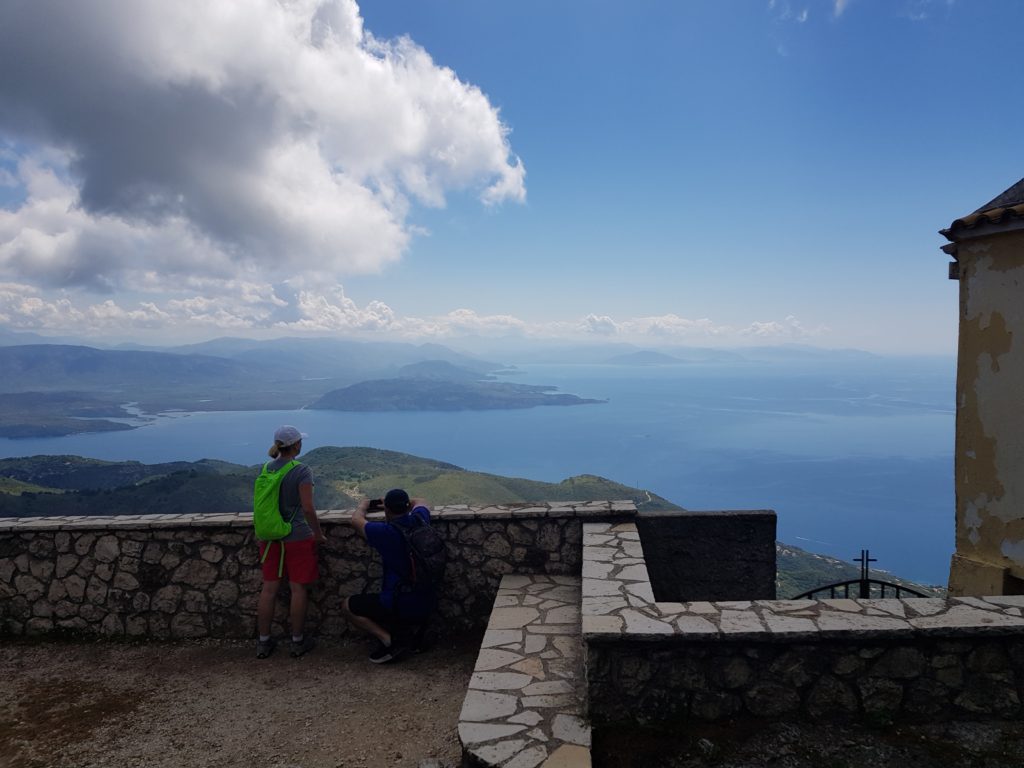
[(851, 454)]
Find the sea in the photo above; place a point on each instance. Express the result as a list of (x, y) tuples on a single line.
[(851, 454)]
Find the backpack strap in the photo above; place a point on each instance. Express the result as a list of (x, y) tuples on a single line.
[(407, 586), (280, 563)]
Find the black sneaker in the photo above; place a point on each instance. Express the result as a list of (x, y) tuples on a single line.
[(264, 648), (422, 639), (303, 646), (382, 654)]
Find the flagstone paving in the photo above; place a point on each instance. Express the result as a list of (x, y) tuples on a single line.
[(526, 705)]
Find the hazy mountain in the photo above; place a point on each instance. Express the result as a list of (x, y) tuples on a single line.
[(705, 355), (55, 367), (562, 352), (9, 338), (420, 394), (342, 359), (59, 389), (802, 352), (441, 370), (644, 357)]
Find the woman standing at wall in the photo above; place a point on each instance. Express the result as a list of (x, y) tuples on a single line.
[(293, 556)]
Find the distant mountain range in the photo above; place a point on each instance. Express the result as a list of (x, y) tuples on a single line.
[(60, 389), (56, 389), (72, 485)]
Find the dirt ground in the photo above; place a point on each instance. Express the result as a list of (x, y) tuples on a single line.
[(89, 704)]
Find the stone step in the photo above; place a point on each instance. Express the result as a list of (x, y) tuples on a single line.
[(527, 702)]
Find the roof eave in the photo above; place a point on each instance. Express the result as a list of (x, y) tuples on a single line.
[(983, 223)]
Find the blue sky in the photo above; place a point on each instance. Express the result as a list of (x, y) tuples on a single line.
[(691, 173)]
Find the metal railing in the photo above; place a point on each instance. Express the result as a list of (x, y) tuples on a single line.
[(863, 585)]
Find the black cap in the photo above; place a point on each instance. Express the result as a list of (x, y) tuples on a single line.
[(396, 500)]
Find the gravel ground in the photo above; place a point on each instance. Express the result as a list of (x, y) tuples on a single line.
[(90, 704), (85, 704)]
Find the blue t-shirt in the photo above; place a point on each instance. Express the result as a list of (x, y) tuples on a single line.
[(395, 560)]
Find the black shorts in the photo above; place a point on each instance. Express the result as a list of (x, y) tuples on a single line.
[(369, 606)]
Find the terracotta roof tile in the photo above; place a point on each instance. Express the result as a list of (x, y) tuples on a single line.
[(1000, 210)]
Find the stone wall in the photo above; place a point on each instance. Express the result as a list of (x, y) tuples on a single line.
[(878, 681), (659, 662), (187, 576), (726, 555)]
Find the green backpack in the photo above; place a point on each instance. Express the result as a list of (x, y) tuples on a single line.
[(266, 508)]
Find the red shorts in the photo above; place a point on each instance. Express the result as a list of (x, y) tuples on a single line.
[(299, 561)]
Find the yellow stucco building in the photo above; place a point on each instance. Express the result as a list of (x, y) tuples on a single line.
[(988, 248)]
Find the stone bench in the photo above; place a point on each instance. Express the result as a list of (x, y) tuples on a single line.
[(526, 704)]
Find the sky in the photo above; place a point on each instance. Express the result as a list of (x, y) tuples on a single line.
[(711, 174)]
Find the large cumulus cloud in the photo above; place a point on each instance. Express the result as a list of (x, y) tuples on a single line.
[(149, 141)]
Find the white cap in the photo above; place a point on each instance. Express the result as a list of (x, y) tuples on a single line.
[(288, 435)]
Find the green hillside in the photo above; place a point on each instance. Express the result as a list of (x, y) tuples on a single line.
[(343, 475), (371, 472), (16, 487), (75, 473)]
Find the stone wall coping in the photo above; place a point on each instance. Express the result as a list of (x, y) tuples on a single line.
[(711, 513), (618, 605), (580, 509)]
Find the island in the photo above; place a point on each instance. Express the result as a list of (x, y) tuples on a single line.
[(423, 394)]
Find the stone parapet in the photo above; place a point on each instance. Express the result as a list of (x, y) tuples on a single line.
[(580, 509), (822, 659), (195, 575)]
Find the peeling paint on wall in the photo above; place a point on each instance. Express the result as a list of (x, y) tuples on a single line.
[(990, 403)]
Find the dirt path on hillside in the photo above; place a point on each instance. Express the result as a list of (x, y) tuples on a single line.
[(214, 704)]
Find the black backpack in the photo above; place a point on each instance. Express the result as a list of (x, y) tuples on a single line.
[(428, 556)]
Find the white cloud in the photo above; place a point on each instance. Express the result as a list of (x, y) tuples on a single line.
[(672, 325), (922, 10), (336, 312), (839, 7), (785, 12), (789, 329), (237, 140), (467, 321), (262, 309), (600, 325)]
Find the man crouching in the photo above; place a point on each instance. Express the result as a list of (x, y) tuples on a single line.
[(406, 598)]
